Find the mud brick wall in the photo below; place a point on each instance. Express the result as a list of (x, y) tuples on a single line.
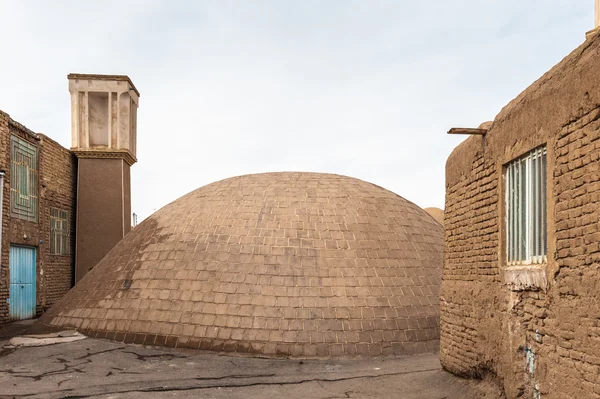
[(535, 329), (570, 330), (56, 188), (471, 270), (58, 175)]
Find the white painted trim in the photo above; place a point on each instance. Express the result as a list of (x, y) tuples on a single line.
[(515, 229)]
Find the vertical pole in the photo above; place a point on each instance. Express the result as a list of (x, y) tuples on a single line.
[(596, 14), (75, 119), (109, 121), (86, 121), (1, 205)]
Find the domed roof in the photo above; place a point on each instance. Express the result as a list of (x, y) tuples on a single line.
[(437, 214), (294, 264)]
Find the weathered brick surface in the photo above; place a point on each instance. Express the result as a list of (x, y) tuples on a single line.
[(57, 179), (542, 341), (279, 264), (58, 189)]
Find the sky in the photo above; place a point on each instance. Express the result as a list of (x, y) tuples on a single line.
[(366, 89)]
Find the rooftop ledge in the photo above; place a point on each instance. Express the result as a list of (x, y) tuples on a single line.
[(105, 152), (85, 76), (526, 277), (592, 33), (466, 130)]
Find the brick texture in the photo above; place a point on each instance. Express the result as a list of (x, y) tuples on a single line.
[(279, 264), (57, 188), (539, 340)]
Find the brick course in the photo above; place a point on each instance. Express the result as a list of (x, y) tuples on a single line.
[(57, 188), (539, 338), (279, 264)]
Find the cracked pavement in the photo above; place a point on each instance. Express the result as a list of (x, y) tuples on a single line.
[(94, 368)]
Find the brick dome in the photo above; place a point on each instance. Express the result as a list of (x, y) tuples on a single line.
[(437, 214), (293, 264)]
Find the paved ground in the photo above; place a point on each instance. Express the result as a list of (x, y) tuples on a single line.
[(104, 369)]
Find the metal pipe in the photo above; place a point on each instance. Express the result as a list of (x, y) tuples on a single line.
[(1, 206)]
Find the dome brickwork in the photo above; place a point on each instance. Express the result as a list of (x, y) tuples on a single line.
[(437, 214), (291, 264)]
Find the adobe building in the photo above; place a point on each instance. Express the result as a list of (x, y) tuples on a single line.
[(62, 210), (274, 264), (520, 298)]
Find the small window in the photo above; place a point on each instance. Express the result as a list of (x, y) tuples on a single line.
[(60, 236), (23, 179), (526, 225)]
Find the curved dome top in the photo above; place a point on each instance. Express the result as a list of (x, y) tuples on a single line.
[(296, 264)]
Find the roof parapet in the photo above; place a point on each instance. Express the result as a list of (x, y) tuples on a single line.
[(469, 131)]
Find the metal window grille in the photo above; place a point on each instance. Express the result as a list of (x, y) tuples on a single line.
[(60, 235), (526, 218), (23, 179)]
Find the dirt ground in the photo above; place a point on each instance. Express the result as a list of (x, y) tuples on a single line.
[(93, 368)]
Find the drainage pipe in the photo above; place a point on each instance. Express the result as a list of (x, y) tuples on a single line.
[(1, 206)]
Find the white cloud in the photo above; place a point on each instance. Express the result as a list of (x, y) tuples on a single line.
[(362, 88)]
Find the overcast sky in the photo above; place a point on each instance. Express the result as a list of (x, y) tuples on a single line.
[(361, 88)]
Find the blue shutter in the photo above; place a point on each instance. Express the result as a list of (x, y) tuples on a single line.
[(22, 282)]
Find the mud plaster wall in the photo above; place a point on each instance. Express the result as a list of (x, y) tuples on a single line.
[(57, 188), (536, 330)]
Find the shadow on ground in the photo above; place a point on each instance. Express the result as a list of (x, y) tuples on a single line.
[(105, 369)]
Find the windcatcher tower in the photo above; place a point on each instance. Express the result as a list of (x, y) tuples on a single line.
[(596, 29), (104, 127)]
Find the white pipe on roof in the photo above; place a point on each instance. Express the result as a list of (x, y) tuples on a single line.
[(1, 205)]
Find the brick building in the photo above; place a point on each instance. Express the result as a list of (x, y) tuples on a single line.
[(38, 204), (520, 298), (63, 210)]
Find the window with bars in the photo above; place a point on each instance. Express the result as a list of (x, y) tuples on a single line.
[(60, 235), (526, 224), (23, 179)]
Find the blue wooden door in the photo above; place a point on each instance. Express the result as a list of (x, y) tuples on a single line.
[(22, 282)]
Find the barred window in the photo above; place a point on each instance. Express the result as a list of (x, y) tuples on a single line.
[(526, 224), (23, 179), (59, 232)]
